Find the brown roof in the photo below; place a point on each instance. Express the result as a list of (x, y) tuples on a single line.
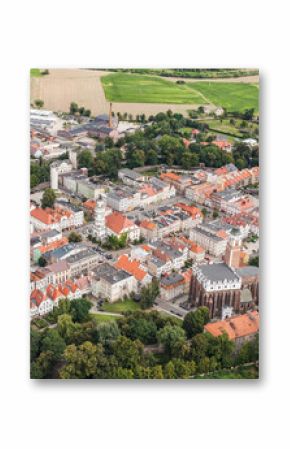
[(235, 327)]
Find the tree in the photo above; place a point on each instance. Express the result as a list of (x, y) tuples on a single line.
[(74, 237), (254, 261), (85, 159), (48, 198), (81, 361), (42, 262), (108, 331), (171, 337), (54, 343), (194, 322), (73, 108), (149, 294), (156, 372), (39, 103), (66, 327), (41, 367), (141, 329), (151, 157), (136, 159), (169, 370), (80, 310), (128, 353), (35, 339)]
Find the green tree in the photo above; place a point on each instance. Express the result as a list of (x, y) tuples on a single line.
[(42, 262), (48, 198), (73, 108), (35, 339), (80, 310), (128, 353), (194, 322), (66, 327), (85, 159), (41, 367), (171, 337), (54, 343), (141, 329), (151, 157), (169, 370), (149, 294), (39, 103), (81, 361), (107, 331), (74, 237)]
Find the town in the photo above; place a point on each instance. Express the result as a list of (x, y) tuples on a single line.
[(144, 231)]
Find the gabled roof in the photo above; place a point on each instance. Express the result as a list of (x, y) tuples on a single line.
[(131, 266), (235, 327), (118, 222)]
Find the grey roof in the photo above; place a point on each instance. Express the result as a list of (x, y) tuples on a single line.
[(208, 234), (218, 272), (248, 271), (130, 173), (110, 274), (86, 253), (172, 279)]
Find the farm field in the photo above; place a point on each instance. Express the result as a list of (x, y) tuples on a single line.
[(131, 88), (232, 96)]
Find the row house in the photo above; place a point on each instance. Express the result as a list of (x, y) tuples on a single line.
[(57, 218), (180, 182)]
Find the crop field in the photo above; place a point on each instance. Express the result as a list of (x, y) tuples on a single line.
[(35, 73), (129, 88), (232, 96)]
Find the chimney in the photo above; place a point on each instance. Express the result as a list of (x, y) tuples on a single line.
[(110, 116)]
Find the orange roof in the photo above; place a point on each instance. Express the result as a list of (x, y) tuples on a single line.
[(235, 327), (89, 204), (148, 190), (130, 266), (54, 245), (221, 144), (170, 176), (195, 131), (147, 224), (193, 211), (118, 222), (37, 296), (146, 248), (187, 275), (50, 216)]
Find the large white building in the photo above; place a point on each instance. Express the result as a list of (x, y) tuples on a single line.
[(112, 284), (100, 219)]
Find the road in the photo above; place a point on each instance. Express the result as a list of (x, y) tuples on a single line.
[(172, 308)]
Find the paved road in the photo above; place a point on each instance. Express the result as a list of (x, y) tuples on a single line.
[(172, 308)]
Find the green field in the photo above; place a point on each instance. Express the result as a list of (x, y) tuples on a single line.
[(35, 73), (129, 88), (120, 306), (225, 127), (232, 96), (132, 88)]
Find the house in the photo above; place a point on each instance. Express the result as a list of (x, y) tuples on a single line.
[(130, 177), (135, 268), (123, 198), (178, 181), (112, 284), (57, 218), (118, 224), (210, 241), (174, 285), (240, 328), (40, 304)]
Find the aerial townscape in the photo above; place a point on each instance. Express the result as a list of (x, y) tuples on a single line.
[(144, 224)]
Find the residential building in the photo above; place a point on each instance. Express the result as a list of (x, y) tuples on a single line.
[(211, 242), (112, 284), (118, 224)]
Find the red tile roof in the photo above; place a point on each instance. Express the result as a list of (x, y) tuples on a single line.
[(118, 222), (131, 266), (235, 327)]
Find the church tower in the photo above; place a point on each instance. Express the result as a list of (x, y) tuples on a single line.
[(99, 219), (233, 252)]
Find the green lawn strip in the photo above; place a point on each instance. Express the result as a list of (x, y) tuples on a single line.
[(102, 317), (131, 88), (121, 306)]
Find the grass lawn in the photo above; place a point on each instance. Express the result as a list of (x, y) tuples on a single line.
[(131, 88), (35, 73), (104, 318), (225, 127), (121, 306), (232, 96)]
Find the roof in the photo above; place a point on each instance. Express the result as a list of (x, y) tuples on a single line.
[(193, 211), (147, 224), (216, 272), (110, 274), (235, 327), (172, 280), (118, 222), (131, 266), (248, 271), (170, 176), (50, 216)]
